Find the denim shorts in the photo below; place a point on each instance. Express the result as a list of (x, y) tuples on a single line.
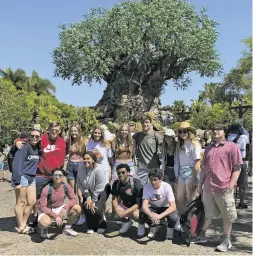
[(72, 169), (27, 181), (185, 180)]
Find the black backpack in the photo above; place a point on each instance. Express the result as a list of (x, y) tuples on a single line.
[(192, 219)]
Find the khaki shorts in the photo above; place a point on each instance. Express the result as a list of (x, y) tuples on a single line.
[(220, 204)]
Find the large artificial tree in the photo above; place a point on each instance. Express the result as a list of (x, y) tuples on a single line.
[(136, 47)]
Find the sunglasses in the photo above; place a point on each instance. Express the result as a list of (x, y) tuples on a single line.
[(35, 136), (182, 131), (58, 175), (121, 173)]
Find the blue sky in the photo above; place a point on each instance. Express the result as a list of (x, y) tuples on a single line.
[(29, 33)]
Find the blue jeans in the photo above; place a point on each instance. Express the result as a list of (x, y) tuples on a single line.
[(72, 169)]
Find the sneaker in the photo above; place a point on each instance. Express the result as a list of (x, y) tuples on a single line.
[(242, 206), (170, 233), (198, 240), (101, 231), (125, 226), (69, 232), (90, 231), (44, 233), (153, 231), (141, 230), (225, 245), (81, 220)]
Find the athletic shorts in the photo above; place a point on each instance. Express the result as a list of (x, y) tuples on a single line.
[(54, 210)]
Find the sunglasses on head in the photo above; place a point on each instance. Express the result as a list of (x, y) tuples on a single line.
[(182, 131), (34, 136), (57, 175), (121, 173)]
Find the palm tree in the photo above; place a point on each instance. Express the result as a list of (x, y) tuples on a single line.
[(209, 93), (40, 85), (18, 77)]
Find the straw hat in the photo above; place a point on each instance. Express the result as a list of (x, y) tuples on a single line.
[(186, 125)]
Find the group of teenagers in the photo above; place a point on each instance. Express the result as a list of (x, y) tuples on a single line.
[(136, 176)]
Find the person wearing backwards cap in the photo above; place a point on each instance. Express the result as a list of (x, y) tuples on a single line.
[(187, 164)]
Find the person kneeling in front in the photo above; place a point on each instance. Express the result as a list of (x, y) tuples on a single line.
[(52, 207), (126, 200), (159, 204)]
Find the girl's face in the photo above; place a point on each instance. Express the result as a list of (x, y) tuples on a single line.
[(184, 134), (74, 132), (88, 161), (34, 137), (124, 131), (97, 135)]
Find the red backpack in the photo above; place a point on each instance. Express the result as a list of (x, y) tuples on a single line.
[(192, 219)]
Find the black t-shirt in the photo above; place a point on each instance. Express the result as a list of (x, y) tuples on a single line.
[(170, 161), (126, 194)]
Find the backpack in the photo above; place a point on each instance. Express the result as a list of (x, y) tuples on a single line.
[(192, 219), (49, 193), (12, 152)]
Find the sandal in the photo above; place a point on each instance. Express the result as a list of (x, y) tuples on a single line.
[(28, 230)]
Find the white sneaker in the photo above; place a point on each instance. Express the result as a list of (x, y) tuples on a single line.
[(153, 231), (125, 226), (141, 229), (169, 234), (44, 233), (90, 231), (81, 220), (69, 232), (101, 231)]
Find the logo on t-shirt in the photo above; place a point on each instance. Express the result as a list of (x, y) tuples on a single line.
[(129, 192), (50, 148), (156, 197)]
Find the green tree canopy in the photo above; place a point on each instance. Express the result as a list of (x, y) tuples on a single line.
[(136, 47)]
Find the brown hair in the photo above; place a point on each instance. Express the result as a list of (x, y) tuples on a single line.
[(118, 139), (53, 124), (104, 142), (192, 137), (80, 145)]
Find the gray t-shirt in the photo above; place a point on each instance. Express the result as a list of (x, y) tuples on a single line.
[(147, 147)]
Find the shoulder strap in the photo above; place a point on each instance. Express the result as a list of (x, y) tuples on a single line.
[(132, 182), (237, 138), (65, 189), (49, 195), (117, 186), (137, 140), (156, 141)]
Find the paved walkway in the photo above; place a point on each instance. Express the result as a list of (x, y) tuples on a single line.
[(112, 243)]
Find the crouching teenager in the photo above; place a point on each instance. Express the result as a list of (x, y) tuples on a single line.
[(126, 200), (93, 192), (158, 206), (52, 207)]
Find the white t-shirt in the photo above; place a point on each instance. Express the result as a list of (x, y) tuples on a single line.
[(158, 197), (241, 142), (105, 151), (189, 154)]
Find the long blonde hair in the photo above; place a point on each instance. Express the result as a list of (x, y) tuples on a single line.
[(103, 140), (192, 137), (129, 140), (80, 145)]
